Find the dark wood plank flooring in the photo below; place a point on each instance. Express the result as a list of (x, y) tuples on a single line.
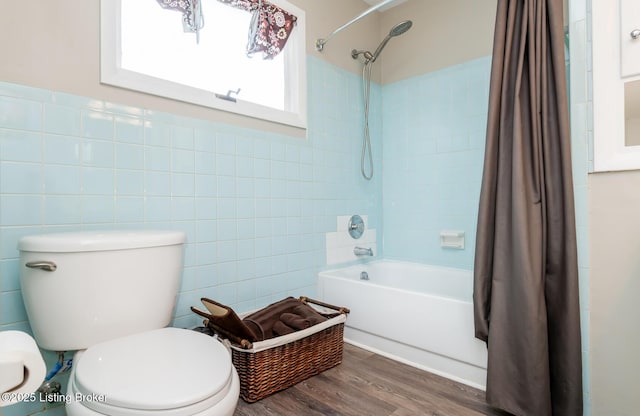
[(369, 384)]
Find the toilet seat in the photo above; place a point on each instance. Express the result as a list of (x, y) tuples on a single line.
[(169, 371)]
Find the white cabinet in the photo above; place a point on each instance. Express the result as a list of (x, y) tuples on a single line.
[(630, 38), (616, 67)]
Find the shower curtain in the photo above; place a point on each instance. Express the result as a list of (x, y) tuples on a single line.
[(525, 274)]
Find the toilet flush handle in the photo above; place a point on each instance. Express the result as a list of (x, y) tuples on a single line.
[(48, 266)]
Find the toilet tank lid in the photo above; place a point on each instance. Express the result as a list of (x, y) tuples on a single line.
[(99, 240)]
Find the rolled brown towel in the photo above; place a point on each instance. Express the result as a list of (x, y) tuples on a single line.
[(256, 328), (309, 313), (280, 328), (266, 317), (295, 321)]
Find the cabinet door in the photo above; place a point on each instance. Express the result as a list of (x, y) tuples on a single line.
[(630, 46)]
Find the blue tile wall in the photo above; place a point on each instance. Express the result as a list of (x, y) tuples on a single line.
[(581, 105), (433, 140), (255, 206)]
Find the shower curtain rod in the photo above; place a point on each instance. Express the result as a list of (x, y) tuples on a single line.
[(321, 42)]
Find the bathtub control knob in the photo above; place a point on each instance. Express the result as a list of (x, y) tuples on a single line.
[(356, 226), (364, 275)]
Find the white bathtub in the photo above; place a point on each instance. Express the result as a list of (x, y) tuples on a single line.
[(418, 314)]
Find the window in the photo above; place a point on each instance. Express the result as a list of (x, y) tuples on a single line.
[(144, 48)]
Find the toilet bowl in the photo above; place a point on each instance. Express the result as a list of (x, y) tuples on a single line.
[(110, 295), (128, 376)]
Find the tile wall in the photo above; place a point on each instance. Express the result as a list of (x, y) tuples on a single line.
[(255, 206), (581, 107), (433, 139)]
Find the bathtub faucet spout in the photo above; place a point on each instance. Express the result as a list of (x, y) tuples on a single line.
[(361, 251)]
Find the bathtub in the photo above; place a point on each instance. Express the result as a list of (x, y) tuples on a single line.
[(418, 314)]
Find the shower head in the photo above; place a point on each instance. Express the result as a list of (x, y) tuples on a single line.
[(397, 30), (400, 28)]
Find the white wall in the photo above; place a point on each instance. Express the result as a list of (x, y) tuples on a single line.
[(614, 231), (444, 33), (614, 207)]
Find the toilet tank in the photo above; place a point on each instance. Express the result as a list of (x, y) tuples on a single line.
[(87, 287)]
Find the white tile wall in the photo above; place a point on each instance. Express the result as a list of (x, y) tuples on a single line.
[(340, 245)]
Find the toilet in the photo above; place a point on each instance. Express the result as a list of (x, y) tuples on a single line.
[(109, 296)]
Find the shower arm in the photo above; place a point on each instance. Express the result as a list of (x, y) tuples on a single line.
[(320, 42)]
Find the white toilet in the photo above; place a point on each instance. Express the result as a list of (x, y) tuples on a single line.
[(110, 296)]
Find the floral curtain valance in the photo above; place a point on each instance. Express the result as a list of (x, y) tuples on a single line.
[(192, 19), (270, 27)]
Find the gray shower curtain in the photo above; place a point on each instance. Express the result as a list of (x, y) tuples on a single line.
[(525, 273)]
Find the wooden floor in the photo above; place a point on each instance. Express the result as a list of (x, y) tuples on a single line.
[(369, 384)]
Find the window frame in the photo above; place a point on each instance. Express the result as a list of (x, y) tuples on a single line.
[(295, 113)]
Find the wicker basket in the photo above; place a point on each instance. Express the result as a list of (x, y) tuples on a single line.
[(279, 363)]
